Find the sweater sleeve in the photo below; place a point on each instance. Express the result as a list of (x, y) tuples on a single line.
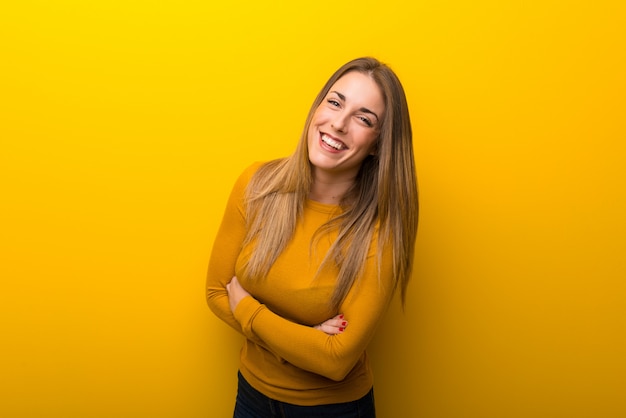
[(312, 350), (225, 252)]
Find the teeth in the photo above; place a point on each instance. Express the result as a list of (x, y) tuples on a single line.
[(329, 141)]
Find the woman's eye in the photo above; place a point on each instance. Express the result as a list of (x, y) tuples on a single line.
[(333, 102), (365, 121)]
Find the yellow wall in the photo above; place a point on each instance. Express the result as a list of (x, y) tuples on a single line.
[(124, 123)]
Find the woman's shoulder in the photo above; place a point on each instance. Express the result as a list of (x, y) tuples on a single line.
[(243, 179), (252, 168), (246, 175), (259, 172)]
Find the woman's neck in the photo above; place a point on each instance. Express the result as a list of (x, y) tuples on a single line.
[(329, 190)]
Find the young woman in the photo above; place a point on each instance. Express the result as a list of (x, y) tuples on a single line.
[(312, 247)]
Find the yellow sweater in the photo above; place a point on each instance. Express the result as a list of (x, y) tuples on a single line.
[(283, 356)]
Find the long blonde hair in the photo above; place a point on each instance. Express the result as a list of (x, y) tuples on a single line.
[(384, 195)]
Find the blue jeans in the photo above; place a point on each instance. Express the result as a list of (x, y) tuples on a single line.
[(253, 404)]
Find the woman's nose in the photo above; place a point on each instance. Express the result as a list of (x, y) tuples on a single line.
[(340, 123)]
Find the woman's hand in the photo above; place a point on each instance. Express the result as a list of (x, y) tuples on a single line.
[(235, 293), (333, 326)]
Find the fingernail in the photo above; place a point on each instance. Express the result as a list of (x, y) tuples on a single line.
[(341, 329), (341, 316), (343, 323)]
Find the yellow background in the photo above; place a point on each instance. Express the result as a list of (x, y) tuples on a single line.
[(123, 125)]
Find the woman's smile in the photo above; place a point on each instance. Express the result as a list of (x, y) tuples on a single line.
[(332, 144)]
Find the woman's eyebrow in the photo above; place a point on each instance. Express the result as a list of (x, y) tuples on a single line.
[(363, 109), (341, 96), (366, 110)]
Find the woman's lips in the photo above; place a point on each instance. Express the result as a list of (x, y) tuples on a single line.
[(332, 143)]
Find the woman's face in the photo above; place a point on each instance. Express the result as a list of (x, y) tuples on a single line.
[(345, 126)]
